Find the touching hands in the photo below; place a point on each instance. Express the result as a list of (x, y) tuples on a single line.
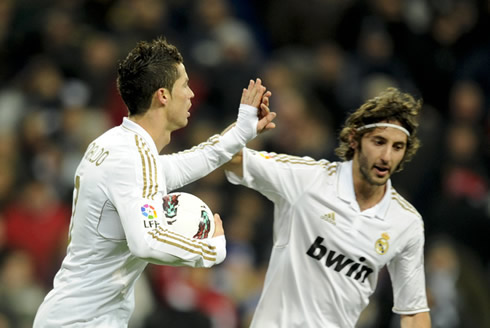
[(256, 95), (265, 115)]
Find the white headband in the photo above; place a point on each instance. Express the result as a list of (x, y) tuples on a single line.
[(384, 125)]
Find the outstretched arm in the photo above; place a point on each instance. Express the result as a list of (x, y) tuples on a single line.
[(265, 116), (265, 123), (235, 165), (253, 117)]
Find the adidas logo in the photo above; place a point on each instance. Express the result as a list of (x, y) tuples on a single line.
[(329, 217)]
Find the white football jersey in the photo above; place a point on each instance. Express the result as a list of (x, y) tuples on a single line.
[(118, 226), (326, 253)]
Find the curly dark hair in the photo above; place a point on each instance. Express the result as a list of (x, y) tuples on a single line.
[(148, 67), (389, 106)]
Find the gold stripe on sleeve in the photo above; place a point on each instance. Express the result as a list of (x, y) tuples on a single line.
[(208, 249), (331, 168), (403, 203), (156, 176), (299, 160), (213, 140), (183, 244), (143, 164), (213, 259), (150, 172), (151, 168)]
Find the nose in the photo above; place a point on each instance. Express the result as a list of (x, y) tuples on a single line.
[(192, 93), (386, 154)]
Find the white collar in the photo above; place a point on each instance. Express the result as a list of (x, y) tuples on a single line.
[(138, 129), (345, 191)]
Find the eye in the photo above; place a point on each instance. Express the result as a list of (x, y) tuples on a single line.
[(399, 146)]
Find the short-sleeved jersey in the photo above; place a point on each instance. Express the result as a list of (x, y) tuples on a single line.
[(117, 227), (327, 253)]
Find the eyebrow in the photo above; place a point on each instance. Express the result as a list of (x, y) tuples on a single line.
[(385, 139)]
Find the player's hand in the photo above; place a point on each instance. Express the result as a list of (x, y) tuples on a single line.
[(253, 94), (218, 230), (265, 115)]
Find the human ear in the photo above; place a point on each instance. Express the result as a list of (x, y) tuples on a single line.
[(353, 143), (163, 95)]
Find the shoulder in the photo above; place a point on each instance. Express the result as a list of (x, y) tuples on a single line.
[(408, 225), (114, 146), (123, 140), (292, 160), (403, 207)]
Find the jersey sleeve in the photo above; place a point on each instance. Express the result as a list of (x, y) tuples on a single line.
[(147, 237), (408, 276), (276, 176), (187, 166)]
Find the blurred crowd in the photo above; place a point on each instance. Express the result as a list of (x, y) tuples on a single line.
[(321, 59)]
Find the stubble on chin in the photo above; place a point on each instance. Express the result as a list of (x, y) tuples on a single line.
[(367, 174)]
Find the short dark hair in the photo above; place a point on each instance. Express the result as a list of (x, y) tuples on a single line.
[(391, 105), (148, 67)]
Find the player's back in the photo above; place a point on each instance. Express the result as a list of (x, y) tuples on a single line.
[(98, 271)]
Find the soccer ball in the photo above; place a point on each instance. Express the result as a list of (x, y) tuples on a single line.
[(188, 215)]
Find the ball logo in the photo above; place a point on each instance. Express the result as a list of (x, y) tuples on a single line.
[(204, 226), (188, 215), (170, 207), (382, 244), (148, 211)]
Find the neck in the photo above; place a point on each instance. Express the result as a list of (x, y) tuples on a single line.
[(153, 122), (368, 195)]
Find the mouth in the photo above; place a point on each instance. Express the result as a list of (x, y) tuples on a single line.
[(381, 171)]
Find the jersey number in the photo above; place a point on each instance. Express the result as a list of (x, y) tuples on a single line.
[(75, 201)]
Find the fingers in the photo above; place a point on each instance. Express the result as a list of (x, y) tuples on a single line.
[(218, 231), (264, 106), (259, 92), (257, 95), (265, 123), (253, 94), (265, 99), (246, 92)]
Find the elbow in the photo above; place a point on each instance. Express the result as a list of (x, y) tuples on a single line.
[(140, 250)]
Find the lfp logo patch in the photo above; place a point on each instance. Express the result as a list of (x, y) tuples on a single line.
[(148, 211)]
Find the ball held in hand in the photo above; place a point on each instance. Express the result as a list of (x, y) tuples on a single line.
[(188, 215)]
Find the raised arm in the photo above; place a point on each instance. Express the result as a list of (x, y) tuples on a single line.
[(235, 165), (253, 117)]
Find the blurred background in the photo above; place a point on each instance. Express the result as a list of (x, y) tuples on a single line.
[(321, 59)]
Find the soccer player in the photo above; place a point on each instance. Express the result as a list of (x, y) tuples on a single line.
[(116, 227), (337, 224)]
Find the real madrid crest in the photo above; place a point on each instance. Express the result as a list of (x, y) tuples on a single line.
[(381, 246)]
